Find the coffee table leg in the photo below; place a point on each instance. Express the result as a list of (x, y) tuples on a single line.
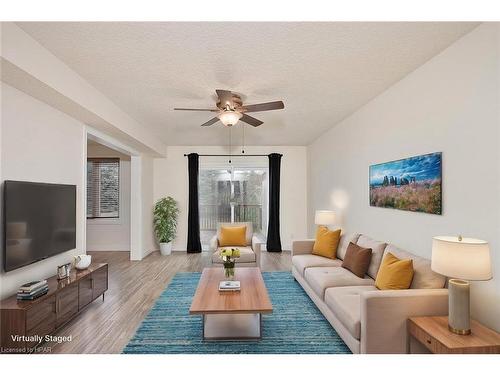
[(232, 326), (203, 326), (260, 326)]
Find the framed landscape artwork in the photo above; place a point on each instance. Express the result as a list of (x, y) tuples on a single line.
[(412, 184)]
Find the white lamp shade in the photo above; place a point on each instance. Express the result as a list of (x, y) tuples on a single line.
[(323, 217), (229, 118), (461, 258)]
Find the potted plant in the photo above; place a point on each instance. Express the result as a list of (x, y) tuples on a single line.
[(165, 223)]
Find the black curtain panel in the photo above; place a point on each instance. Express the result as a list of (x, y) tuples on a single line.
[(193, 240), (273, 228)]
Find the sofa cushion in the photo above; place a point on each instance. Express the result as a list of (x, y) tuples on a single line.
[(357, 259), (346, 306), (326, 242), (301, 262), (249, 233), (345, 239), (394, 273), (377, 253), (246, 254), (321, 278), (423, 277)]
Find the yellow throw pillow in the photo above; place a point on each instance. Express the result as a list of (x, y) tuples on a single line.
[(326, 242), (233, 236), (394, 273)]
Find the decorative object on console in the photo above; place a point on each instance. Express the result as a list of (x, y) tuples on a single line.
[(83, 261), (63, 271), (165, 223), (462, 259), (411, 184), (32, 290), (228, 257)]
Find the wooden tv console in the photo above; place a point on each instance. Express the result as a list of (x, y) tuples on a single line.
[(65, 299)]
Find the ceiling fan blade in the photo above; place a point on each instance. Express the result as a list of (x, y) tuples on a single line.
[(225, 98), (251, 120), (262, 107), (210, 122), (196, 109)]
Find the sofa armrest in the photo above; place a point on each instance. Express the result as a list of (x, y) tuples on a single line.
[(256, 247), (384, 315), (214, 244), (302, 247)]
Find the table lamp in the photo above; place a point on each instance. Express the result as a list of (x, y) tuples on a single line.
[(324, 218), (462, 259)]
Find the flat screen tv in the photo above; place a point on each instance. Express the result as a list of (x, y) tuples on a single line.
[(39, 222)]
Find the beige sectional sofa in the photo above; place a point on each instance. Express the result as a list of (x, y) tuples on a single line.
[(369, 320)]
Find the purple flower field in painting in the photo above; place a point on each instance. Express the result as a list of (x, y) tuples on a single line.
[(421, 196)]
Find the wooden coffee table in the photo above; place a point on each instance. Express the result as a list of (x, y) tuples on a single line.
[(231, 315)]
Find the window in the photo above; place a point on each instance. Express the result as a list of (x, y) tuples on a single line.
[(232, 194), (103, 188)]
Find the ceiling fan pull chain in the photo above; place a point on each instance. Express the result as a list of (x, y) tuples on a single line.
[(230, 144), (243, 142)]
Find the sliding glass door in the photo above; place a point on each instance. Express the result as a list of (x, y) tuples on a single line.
[(233, 194)]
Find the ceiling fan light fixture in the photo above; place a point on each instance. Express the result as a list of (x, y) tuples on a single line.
[(229, 118)]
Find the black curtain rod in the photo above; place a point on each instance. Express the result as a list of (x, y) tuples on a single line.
[(227, 155)]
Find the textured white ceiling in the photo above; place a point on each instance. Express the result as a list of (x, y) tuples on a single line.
[(322, 71)]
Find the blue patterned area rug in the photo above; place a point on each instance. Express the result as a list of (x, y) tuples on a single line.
[(295, 326)]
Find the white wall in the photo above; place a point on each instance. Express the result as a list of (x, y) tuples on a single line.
[(450, 104), (111, 234), (171, 178), (41, 144)]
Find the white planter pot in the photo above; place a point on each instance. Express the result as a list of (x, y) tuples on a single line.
[(166, 248)]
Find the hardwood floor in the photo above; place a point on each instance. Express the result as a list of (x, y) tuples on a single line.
[(134, 286)]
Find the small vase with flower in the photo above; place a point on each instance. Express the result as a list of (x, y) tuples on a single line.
[(228, 256)]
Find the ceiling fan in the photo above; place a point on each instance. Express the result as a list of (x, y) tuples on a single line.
[(230, 109)]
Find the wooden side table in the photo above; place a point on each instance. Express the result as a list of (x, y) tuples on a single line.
[(433, 333)]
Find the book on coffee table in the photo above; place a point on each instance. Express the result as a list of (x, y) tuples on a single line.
[(227, 286)]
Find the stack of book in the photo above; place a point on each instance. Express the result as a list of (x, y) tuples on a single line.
[(32, 290), (229, 286)]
